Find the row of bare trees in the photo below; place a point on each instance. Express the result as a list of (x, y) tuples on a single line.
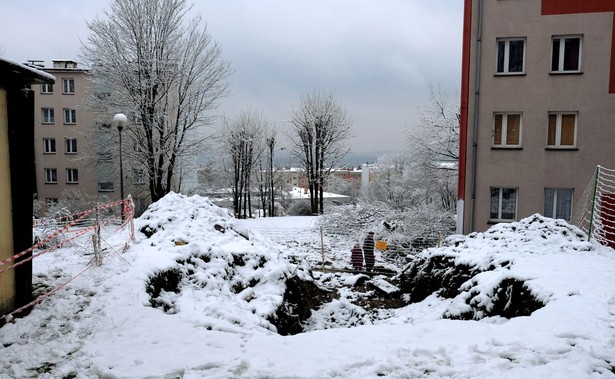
[(318, 137), (151, 63), (164, 71)]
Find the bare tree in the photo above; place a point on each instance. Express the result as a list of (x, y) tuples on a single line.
[(395, 183), (243, 141), (321, 131), (435, 146), (436, 137), (166, 73), (267, 181)]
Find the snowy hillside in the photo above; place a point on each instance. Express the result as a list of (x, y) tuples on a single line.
[(199, 294)]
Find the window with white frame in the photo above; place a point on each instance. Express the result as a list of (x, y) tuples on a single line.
[(566, 54), (510, 59), (562, 130), (68, 86), (507, 130), (47, 88), (51, 175), (105, 186), (49, 145), (70, 145), (72, 175), (558, 203), (48, 115), (70, 116), (503, 205)]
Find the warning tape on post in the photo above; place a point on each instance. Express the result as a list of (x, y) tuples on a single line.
[(128, 217), (65, 229), (43, 296)]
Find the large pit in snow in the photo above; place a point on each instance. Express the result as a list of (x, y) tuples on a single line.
[(245, 283)]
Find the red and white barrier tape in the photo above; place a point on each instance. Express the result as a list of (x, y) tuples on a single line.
[(44, 296), (65, 229), (129, 215)]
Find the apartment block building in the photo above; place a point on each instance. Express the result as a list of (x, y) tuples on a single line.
[(60, 121), (537, 107), (75, 147)]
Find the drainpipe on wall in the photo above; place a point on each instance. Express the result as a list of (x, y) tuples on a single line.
[(479, 35)]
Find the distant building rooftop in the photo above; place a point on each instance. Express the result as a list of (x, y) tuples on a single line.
[(17, 73)]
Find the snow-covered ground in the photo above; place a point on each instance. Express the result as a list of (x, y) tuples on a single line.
[(218, 323)]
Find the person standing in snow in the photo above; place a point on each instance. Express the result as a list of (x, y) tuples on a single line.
[(356, 256), (368, 251)]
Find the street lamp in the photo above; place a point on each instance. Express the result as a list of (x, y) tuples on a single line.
[(271, 144), (120, 120)]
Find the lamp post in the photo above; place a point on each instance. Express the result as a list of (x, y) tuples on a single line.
[(120, 121), (271, 144)]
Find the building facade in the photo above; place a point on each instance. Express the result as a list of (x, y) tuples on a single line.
[(76, 148), (537, 107), (60, 126)]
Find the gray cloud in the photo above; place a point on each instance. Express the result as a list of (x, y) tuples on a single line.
[(379, 56)]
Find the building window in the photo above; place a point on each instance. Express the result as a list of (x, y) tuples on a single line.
[(138, 176), (566, 54), (51, 202), (72, 175), (510, 56), (103, 126), (104, 156), (70, 116), (558, 203), (49, 145), (503, 204), (51, 175), (70, 145), (507, 130), (47, 88), (68, 86), (48, 116), (562, 130), (105, 186)]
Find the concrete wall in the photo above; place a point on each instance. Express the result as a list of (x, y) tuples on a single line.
[(7, 278)]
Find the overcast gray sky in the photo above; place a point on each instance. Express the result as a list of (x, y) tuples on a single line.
[(378, 56)]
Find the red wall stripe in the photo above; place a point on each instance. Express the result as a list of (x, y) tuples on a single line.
[(465, 93)]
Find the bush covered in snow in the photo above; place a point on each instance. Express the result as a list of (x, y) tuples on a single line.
[(408, 230)]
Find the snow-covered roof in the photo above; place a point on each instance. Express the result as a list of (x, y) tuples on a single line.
[(302, 193), (17, 73)]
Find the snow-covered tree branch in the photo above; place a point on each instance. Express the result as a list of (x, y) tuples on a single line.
[(319, 141), (164, 71)]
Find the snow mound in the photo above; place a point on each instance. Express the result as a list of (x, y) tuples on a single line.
[(486, 273), (219, 278), (535, 234)]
